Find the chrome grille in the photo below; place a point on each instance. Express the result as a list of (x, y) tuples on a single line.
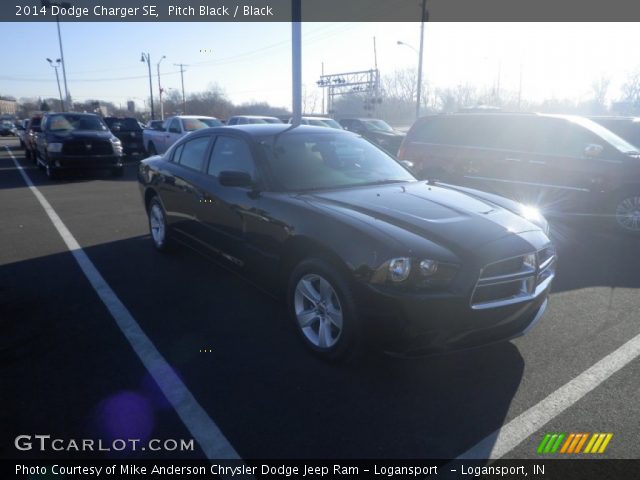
[(514, 280)]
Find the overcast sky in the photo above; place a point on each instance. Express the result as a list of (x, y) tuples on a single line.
[(251, 61)]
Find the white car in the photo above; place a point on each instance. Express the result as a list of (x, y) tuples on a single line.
[(319, 122), (158, 141)]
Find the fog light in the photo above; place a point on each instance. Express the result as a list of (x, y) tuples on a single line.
[(428, 267), (529, 261), (399, 269)]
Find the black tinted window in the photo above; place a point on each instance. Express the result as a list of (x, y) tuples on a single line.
[(192, 155), (231, 154), (176, 153), (559, 137), (174, 126)]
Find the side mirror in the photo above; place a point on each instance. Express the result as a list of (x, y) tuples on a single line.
[(229, 178), (407, 164), (593, 150)]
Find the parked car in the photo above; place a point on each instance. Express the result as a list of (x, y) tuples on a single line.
[(567, 165), (249, 119), (376, 131), (21, 131), (154, 124), (29, 138), (362, 251), (318, 122), (7, 128), (625, 127), (73, 141), (173, 128), (129, 132)]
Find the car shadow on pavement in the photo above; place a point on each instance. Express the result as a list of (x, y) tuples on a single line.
[(239, 355)]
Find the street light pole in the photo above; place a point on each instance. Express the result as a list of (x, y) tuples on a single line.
[(47, 4), (420, 54), (296, 62), (147, 58), (184, 102), (160, 89), (55, 67)]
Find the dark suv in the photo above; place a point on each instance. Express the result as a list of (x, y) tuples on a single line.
[(562, 164), (625, 127), (71, 141), (377, 131), (129, 131)]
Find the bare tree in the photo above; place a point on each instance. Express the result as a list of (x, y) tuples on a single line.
[(631, 90)]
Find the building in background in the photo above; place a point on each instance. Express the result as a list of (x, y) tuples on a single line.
[(8, 107)]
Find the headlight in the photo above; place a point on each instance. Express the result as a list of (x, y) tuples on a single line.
[(415, 274), (54, 147), (529, 261), (534, 216), (399, 269)]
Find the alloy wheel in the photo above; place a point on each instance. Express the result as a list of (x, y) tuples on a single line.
[(628, 213), (157, 224), (318, 311)]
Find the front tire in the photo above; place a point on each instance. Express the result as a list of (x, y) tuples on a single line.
[(158, 226), (321, 304), (51, 171)]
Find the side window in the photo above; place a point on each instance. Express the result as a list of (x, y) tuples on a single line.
[(231, 154), (176, 153), (232, 121), (559, 137), (174, 126), (192, 153)]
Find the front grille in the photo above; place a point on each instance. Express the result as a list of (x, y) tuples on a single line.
[(87, 147), (514, 280)]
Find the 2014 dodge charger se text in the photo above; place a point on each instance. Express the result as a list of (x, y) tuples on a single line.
[(363, 252)]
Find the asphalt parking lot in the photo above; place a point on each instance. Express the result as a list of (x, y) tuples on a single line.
[(67, 369)]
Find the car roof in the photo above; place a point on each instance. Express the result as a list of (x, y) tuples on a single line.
[(259, 129)]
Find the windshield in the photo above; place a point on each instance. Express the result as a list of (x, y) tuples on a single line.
[(602, 132), (69, 121), (303, 161), (377, 125), (127, 124), (211, 122), (324, 122)]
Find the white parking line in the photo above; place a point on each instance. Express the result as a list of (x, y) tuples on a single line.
[(200, 425), (502, 441)]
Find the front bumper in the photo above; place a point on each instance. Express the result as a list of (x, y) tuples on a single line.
[(423, 324), (73, 162)]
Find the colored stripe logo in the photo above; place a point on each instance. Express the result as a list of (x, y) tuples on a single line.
[(573, 443)]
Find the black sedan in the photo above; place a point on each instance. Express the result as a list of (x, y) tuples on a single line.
[(363, 252)]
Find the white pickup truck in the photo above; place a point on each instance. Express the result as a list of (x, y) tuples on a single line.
[(159, 140)]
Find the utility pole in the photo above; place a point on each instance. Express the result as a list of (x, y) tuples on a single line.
[(48, 4), (420, 54), (296, 62), (147, 58), (160, 89), (184, 103), (55, 67), (322, 74)]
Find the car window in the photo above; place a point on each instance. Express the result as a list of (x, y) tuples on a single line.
[(231, 154), (554, 136), (316, 161), (175, 157), (192, 155), (174, 126)]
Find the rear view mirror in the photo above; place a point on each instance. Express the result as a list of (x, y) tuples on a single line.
[(235, 179), (593, 150)]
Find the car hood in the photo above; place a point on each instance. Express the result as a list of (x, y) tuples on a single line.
[(440, 214)]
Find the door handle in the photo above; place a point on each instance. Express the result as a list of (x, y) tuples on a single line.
[(538, 162), (510, 159)]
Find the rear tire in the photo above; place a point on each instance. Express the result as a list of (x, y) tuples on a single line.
[(321, 305), (152, 149)]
